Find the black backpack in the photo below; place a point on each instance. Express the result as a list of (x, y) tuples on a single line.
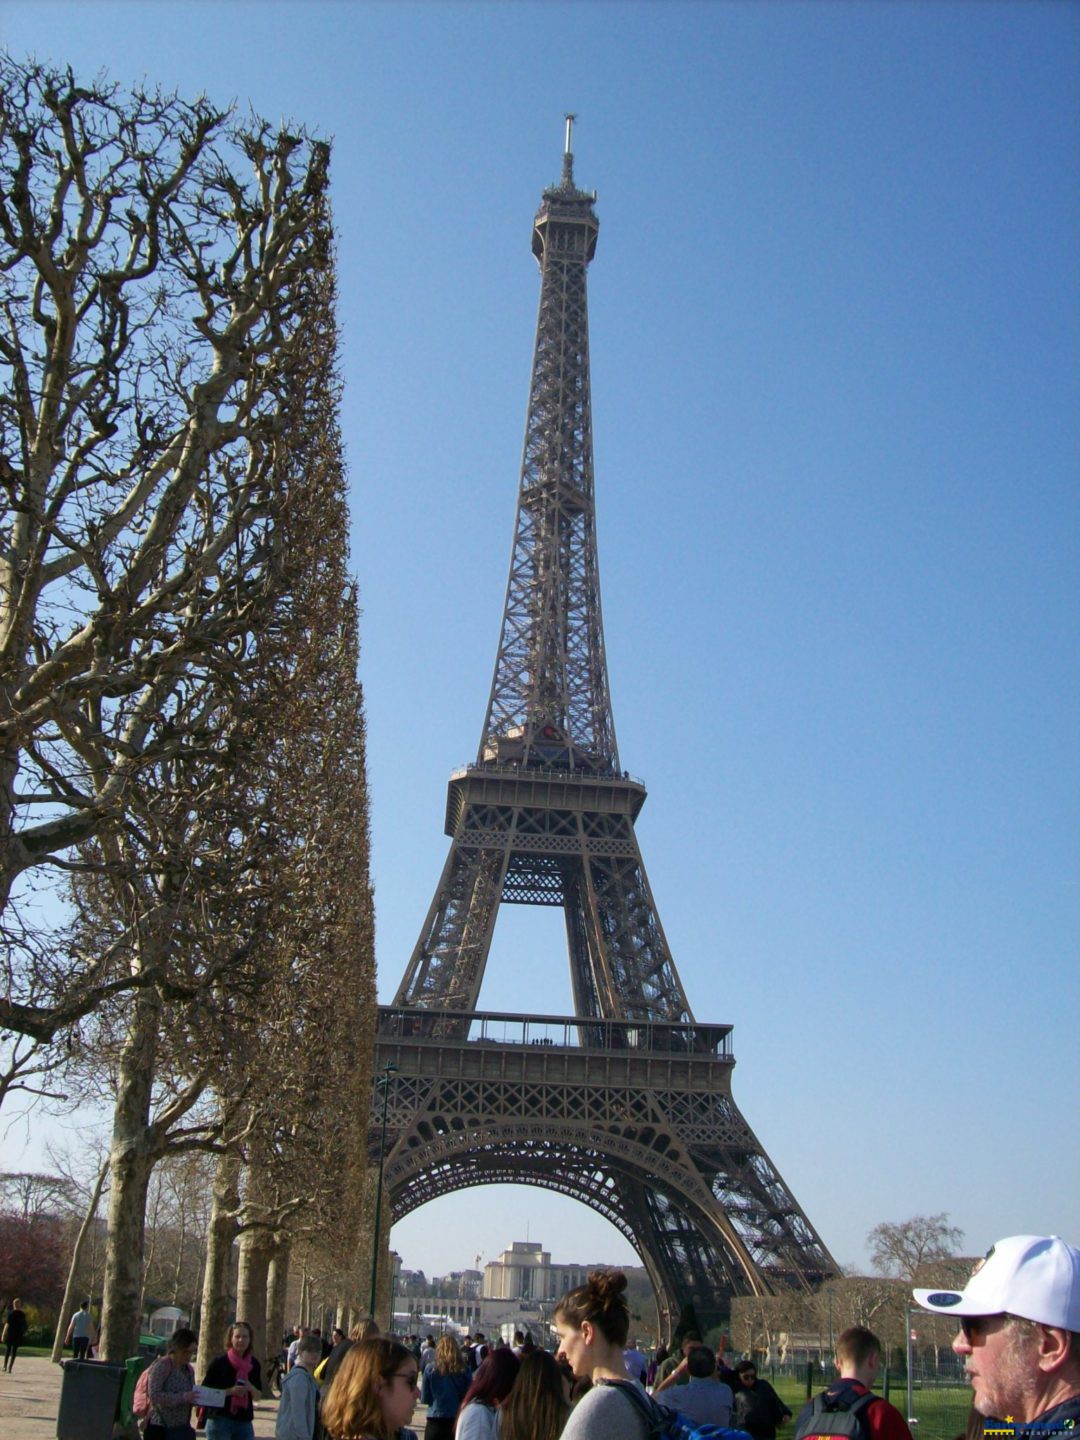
[(837, 1412)]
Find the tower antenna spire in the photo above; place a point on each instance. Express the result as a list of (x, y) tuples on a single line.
[(568, 152)]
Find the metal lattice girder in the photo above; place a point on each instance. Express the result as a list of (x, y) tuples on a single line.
[(524, 852), (636, 1121), (550, 704), (626, 1106)]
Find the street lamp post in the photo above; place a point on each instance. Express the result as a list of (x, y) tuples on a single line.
[(384, 1080)]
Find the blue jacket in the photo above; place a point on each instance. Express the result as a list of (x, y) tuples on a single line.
[(443, 1394)]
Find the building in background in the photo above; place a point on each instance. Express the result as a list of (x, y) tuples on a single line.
[(525, 1272)]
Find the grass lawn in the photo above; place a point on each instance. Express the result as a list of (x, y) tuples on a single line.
[(941, 1412)]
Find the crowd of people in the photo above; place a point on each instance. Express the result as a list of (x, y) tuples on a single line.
[(1018, 1332)]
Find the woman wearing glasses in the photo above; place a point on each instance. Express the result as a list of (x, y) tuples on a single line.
[(757, 1408), (373, 1394)]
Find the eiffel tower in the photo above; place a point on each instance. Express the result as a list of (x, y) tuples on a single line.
[(625, 1106)]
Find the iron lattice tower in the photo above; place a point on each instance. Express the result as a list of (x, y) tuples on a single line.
[(626, 1105)]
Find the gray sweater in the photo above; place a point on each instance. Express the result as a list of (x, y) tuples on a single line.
[(603, 1414)]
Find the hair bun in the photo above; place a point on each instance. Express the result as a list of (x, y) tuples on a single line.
[(607, 1285)]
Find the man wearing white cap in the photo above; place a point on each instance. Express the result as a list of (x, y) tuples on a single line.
[(1019, 1332)]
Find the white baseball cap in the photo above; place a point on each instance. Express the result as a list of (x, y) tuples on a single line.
[(1036, 1277)]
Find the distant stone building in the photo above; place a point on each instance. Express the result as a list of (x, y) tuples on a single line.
[(525, 1272)]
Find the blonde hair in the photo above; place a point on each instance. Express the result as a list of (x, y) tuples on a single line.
[(448, 1357), (352, 1406)]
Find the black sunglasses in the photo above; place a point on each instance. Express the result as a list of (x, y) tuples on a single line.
[(975, 1326)]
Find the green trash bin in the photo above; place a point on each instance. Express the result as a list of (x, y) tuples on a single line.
[(134, 1366), (89, 1399)]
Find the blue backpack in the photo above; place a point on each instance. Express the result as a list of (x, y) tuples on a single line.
[(667, 1424)]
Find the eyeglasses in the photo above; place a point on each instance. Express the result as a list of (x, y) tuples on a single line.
[(410, 1375), (975, 1327)]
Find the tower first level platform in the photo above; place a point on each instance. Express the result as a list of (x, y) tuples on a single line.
[(635, 1120)]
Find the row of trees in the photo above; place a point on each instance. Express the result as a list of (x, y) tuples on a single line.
[(917, 1251), (185, 910)]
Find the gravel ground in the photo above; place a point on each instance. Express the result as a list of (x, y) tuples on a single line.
[(30, 1401)]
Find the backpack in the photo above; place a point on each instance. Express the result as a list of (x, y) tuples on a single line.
[(667, 1424), (837, 1412), (140, 1401)]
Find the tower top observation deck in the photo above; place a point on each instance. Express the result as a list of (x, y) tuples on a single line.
[(565, 209)]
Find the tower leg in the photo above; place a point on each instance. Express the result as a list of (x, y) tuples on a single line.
[(447, 965)]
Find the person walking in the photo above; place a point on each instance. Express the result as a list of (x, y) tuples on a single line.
[(81, 1332), (1019, 1335), (445, 1382), (757, 1408), (13, 1333)]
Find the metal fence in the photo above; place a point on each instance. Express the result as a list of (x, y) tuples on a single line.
[(936, 1404)]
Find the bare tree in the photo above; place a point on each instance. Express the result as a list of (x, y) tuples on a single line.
[(151, 326), (900, 1247), (176, 628), (67, 1304), (31, 1193), (305, 1156)]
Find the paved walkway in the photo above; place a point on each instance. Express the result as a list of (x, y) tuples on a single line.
[(30, 1399)]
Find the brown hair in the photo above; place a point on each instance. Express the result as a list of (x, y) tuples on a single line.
[(601, 1300), (351, 1407), (240, 1325), (536, 1408), (180, 1339), (701, 1362), (855, 1346)]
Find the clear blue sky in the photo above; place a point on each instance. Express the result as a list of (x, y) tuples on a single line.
[(836, 356)]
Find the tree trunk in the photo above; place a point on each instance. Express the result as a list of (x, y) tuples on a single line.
[(130, 1163), (277, 1289), (73, 1268), (217, 1303), (178, 1268), (256, 1248)]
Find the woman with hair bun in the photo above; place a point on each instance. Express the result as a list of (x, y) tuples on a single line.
[(592, 1324)]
